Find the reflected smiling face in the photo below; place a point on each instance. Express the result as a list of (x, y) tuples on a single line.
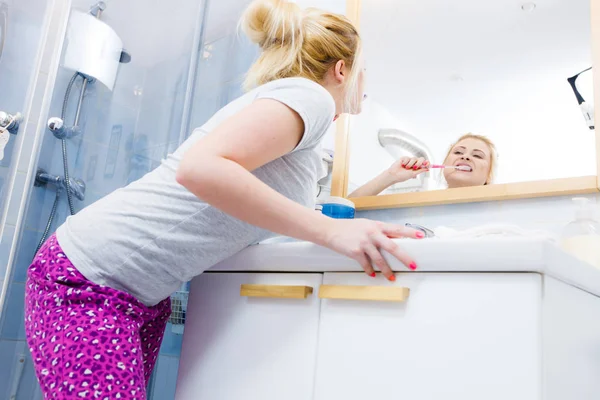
[(473, 153)]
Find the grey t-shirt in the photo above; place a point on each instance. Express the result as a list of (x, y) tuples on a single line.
[(153, 235)]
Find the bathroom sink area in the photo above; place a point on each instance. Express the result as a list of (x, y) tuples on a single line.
[(517, 254), (488, 318)]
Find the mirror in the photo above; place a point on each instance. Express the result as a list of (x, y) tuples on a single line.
[(437, 70)]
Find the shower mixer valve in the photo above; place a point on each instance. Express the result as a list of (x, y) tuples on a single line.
[(76, 186)]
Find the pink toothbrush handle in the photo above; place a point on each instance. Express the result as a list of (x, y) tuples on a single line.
[(438, 166)]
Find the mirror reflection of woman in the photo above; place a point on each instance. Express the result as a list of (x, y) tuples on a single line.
[(475, 151)]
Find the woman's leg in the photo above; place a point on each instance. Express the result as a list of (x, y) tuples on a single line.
[(84, 339), (152, 333)]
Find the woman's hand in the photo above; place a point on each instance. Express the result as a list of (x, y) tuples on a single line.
[(364, 240), (407, 168)]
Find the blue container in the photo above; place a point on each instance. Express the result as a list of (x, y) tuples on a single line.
[(338, 208)]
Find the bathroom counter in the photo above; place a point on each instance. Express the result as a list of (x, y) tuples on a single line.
[(492, 319), (432, 255)]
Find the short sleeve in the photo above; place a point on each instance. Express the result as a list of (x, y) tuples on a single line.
[(310, 100)]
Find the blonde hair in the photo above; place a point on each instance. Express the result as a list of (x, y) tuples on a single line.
[(300, 43), (493, 152)]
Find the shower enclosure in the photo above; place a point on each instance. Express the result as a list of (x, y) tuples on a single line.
[(75, 134)]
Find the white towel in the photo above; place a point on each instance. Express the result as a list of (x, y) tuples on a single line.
[(492, 230)]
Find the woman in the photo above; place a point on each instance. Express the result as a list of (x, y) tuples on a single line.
[(97, 292), (475, 151)]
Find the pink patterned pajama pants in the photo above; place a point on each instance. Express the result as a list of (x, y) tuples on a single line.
[(88, 341)]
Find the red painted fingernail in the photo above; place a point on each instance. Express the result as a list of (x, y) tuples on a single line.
[(420, 235), (415, 168), (413, 266), (336, 117), (392, 278), (373, 275)]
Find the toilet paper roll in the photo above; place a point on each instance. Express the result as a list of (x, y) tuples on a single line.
[(92, 48)]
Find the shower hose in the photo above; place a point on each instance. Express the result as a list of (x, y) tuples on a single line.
[(66, 171)]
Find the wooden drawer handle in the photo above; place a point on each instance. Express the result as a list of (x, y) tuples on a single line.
[(276, 291), (370, 293)]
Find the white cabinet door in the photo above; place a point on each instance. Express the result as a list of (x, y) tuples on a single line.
[(248, 348), (458, 336)]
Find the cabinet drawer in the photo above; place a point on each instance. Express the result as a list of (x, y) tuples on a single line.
[(461, 335), (250, 336)]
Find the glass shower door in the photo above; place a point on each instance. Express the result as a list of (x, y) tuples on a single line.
[(21, 35)]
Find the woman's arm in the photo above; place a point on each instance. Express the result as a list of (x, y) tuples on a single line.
[(402, 170), (375, 186), (217, 170)]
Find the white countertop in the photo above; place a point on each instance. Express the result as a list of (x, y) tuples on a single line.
[(432, 255)]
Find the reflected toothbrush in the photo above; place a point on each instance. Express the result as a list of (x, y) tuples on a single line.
[(458, 167), (465, 168)]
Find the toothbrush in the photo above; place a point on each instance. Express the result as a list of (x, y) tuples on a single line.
[(458, 167)]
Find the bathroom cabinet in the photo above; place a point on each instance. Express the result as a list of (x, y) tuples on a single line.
[(498, 333), (239, 347)]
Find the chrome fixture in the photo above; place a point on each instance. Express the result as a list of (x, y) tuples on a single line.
[(77, 186), (57, 127), (10, 122), (97, 9), (428, 232)]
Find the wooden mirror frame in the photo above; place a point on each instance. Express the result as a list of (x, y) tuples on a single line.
[(505, 191)]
